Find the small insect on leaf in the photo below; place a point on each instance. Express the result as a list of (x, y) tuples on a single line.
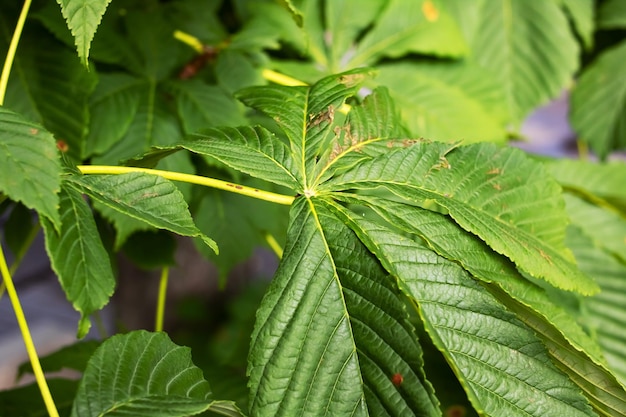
[(397, 379)]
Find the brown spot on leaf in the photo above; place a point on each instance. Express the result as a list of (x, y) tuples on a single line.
[(409, 142), (350, 80), (456, 411), (545, 256), (497, 186), (325, 116), (62, 146), (33, 131), (495, 171), (430, 11), (397, 379)]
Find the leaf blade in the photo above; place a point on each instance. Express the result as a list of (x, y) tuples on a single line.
[(142, 374), (83, 18), (528, 48), (486, 190), (573, 350), (78, 257), (148, 198), (475, 333), (599, 102), (30, 171)]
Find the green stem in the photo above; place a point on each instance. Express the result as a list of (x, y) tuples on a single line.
[(160, 312), (274, 245), (583, 150), (28, 340), (8, 62), (193, 179)]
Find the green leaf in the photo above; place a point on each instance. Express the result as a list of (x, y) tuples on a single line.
[(612, 15), (345, 20), (528, 48), (236, 70), (150, 250), (239, 226), (430, 96), (332, 325), (305, 114), (571, 348), (26, 401), (600, 183), (582, 14), (78, 257), (29, 165), (487, 191), (113, 107), (83, 18), (410, 26), (74, 356), (153, 123), (51, 87), (141, 374), (201, 106), (148, 198), (254, 151), (503, 367), (19, 230), (604, 312), (605, 227), (599, 102), (295, 13)]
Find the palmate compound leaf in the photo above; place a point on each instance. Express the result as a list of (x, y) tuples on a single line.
[(83, 18), (499, 194), (78, 257), (332, 330), (503, 366), (306, 113), (144, 374), (571, 348), (30, 171), (145, 197)]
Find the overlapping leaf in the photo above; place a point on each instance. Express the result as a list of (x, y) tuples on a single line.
[(486, 190), (332, 331), (567, 343), (29, 165), (605, 312), (79, 258), (151, 376), (305, 114), (503, 366)]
